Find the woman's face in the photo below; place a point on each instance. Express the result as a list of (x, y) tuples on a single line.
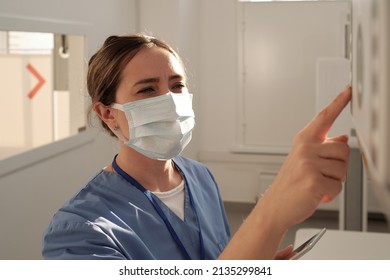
[(152, 72)]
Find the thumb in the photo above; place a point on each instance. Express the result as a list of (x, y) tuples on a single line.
[(285, 253), (318, 128)]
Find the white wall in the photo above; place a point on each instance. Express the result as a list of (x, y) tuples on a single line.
[(29, 196)]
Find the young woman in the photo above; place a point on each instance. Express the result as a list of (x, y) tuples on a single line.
[(152, 203)]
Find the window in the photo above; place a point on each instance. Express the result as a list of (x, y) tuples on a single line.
[(41, 89)]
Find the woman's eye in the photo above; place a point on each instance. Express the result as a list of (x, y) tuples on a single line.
[(178, 87), (146, 90)]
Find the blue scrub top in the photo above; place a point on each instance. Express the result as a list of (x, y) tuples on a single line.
[(111, 219)]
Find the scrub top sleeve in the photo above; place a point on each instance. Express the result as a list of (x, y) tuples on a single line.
[(224, 216), (79, 241)]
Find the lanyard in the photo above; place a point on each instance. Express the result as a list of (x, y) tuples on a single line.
[(160, 212)]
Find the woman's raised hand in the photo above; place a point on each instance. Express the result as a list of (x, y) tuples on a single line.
[(314, 170)]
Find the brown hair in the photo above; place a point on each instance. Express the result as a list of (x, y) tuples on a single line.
[(106, 65)]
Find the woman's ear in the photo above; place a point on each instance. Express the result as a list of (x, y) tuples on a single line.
[(106, 114)]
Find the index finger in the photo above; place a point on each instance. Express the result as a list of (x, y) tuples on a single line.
[(318, 128)]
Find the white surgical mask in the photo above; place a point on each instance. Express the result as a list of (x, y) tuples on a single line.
[(159, 127)]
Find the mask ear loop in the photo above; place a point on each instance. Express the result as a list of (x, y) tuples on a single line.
[(118, 133)]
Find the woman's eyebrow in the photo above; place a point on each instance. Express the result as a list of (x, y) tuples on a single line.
[(174, 77), (147, 81), (156, 80)]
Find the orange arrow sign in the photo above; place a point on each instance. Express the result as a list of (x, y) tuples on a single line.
[(40, 83)]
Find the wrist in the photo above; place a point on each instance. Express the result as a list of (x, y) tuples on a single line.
[(268, 216)]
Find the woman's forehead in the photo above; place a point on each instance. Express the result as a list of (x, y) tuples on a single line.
[(153, 62)]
